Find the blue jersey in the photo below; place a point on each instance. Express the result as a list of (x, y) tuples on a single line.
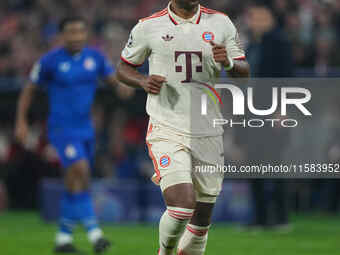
[(71, 82)]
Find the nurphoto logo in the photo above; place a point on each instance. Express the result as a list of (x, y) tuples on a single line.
[(295, 96)]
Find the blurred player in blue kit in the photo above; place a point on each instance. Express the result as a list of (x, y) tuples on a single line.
[(70, 74)]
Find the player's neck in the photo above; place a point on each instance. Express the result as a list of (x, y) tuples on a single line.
[(73, 52), (183, 13)]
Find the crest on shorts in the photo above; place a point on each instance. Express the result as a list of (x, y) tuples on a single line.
[(70, 151), (208, 36), (64, 67), (164, 161), (90, 64)]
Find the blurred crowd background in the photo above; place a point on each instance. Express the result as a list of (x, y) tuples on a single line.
[(29, 27), (287, 38)]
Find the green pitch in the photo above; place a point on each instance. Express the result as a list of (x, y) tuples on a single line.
[(26, 234)]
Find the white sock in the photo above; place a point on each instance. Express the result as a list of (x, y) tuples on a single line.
[(171, 227), (94, 235), (193, 241), (63, 238)]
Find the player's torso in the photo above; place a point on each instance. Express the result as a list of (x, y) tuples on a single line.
[(182, 53), (78, 71), (71, 91)]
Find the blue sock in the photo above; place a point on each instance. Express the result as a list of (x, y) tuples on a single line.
[(86, 211), (68, 214), (74, 208)]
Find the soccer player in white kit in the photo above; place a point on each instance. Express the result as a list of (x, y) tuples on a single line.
[(184, 43)]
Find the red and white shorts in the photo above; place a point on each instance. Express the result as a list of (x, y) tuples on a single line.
[(181, 159)]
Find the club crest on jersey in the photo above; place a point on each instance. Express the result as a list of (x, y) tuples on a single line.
[(208, 36), (167, 38), (89, 64), (164, 161), (70, 151), (64, 67)]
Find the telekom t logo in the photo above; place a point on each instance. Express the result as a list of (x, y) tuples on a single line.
[(188, 55), (199, 69), (239, 100)]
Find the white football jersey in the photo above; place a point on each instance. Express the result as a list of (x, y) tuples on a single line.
[(179, 50)]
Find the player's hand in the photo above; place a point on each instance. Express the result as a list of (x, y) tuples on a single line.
[(220, 54), (21, 132), (153, 84)]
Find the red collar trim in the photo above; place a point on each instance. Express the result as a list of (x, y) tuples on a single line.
[(197, 22), (173, 20), (199, 16)]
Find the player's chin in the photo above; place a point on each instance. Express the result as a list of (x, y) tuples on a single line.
[(76, 46), (191, 4)]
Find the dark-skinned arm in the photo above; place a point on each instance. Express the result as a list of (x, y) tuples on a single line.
[(112, 81), (24, 103), (241, 68), (130, 76)]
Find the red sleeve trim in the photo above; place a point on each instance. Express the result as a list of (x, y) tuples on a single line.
[(128, 62), (240, 58), (211, 11), (156, 15)]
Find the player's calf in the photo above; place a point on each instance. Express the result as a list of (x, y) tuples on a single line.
[(181, 202), (77, 206), (171, 227), (203, 214), (193, 241), (195, 237)]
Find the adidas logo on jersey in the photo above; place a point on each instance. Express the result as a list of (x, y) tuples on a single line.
[(167, 38)]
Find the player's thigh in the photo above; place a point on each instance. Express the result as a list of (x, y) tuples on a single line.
[(208, 177), (171, 159), (73, 156), (172, 163), (176, 180), (174, 166)]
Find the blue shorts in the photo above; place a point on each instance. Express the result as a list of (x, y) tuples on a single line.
[(72, 150)]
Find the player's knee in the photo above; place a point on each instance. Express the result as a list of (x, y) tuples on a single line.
[(183, 202), (189, 202), (203, 214), (201, 219), (80, 170), (181, 195), (77, 177)]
